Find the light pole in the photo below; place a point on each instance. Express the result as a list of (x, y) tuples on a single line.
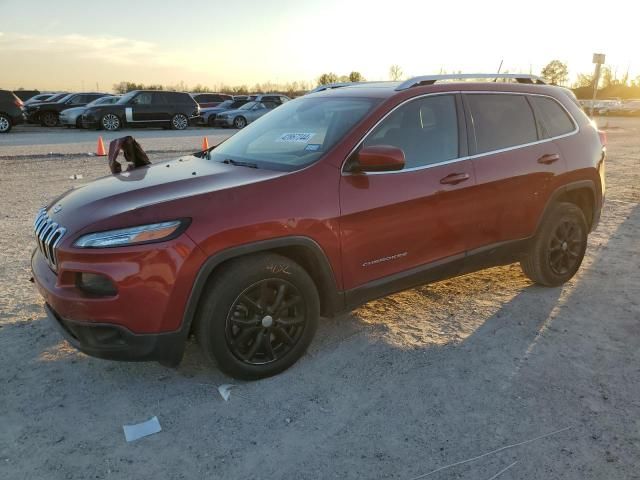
[(598, 59)]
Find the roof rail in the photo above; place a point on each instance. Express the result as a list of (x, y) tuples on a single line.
[(431, 79), (330, 86)]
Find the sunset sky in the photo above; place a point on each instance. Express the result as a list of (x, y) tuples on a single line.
[(74, 45)]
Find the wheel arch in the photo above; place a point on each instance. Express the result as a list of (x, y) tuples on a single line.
[(582, 194), (302, 250)]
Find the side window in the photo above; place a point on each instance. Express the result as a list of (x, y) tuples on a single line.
[(159, 98), (501, 121), (143, 98), (425, 129), (553, 120)]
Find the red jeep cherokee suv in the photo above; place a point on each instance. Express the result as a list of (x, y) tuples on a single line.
[(329, 201)]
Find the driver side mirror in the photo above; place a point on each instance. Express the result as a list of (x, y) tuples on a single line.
[(378, 158)]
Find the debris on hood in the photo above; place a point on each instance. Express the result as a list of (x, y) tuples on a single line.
[(133, 154), (76, 176), (139, 430)]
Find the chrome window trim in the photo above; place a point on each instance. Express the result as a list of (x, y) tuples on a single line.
[(459, 159)]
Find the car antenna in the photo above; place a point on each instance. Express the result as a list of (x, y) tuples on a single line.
[(499, 68)]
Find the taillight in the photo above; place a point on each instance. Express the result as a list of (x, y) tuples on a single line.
[(18, 103), (603, 137)]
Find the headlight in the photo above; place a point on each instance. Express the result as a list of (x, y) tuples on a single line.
[(155, 232)]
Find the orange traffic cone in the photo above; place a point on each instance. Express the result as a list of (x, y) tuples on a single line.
[(100, 152), (205, 143)]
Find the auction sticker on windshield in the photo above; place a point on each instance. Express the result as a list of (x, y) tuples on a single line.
[(295, 137)]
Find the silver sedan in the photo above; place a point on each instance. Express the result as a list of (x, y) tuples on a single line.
[(72, 117)]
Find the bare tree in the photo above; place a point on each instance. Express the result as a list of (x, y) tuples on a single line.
[(555, 72), (395, 72), (327, 78)]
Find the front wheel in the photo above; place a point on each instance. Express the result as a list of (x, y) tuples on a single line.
[(179, 122), (110, 122), (49, 119), (239, 122), (559, 246), (258, 316), (5, 123)]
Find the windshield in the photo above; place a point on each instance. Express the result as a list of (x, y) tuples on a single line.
[(226, 103), (248, 106), (126, 97), (65, 98), (296, 134), (102, 101)]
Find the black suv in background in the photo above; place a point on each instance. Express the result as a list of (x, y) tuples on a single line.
[(46, 113), (11, 112), (206, 100), (144, 108)]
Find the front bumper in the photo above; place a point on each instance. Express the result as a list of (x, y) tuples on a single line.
[(114, 342), (223, 122), (143, 320), (67, 121)]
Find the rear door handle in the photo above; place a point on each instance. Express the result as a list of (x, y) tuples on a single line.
[(549, 158), (454, 178)]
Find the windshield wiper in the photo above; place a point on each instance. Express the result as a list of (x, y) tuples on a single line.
[(228, 161)]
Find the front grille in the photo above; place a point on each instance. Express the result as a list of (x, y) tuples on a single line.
[(48, 235)]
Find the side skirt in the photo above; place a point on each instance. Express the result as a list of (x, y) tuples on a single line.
[(456, 265)]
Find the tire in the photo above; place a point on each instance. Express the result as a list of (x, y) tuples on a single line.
[(242, 321), (179, 122), (110, 122), (559, 246), (48, 119), (5, 123), (79, 122), (239, 122), (211, 121)]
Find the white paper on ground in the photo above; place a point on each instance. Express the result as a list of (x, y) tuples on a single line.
[(139, 430), (225, 391)]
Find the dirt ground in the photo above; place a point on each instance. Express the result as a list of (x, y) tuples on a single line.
[(398, 389)]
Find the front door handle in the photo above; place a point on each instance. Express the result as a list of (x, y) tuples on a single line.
[(454, 178), (549, 158)]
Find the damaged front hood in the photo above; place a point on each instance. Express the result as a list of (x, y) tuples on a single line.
[(146, 186)]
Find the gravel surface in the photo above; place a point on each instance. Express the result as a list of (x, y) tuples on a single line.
[(397, 389)]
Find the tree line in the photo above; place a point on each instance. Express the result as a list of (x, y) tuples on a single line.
[(555, 72)]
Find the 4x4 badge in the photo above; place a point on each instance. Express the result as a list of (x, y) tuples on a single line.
[(57, 208)]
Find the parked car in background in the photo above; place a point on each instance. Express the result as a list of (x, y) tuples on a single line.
[(55, 97), (11, 111), (25, 95), (630, 107), (328, 202), (42, 97), (206, 100), (46, 113), (72, 117), (250, 111), (208, 115), (144, 108)]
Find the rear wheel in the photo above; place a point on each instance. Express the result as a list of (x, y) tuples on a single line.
[(559, 246), (179, 122), (49, 119), (239, 122), (5, 123), (258, 316), (110, 122)]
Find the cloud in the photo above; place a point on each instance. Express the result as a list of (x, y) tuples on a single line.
[(102, 48)]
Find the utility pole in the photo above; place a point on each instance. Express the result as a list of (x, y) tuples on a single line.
[(598, 59)]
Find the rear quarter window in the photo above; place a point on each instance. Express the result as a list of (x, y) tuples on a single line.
[(501, 121), (553, 120)]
